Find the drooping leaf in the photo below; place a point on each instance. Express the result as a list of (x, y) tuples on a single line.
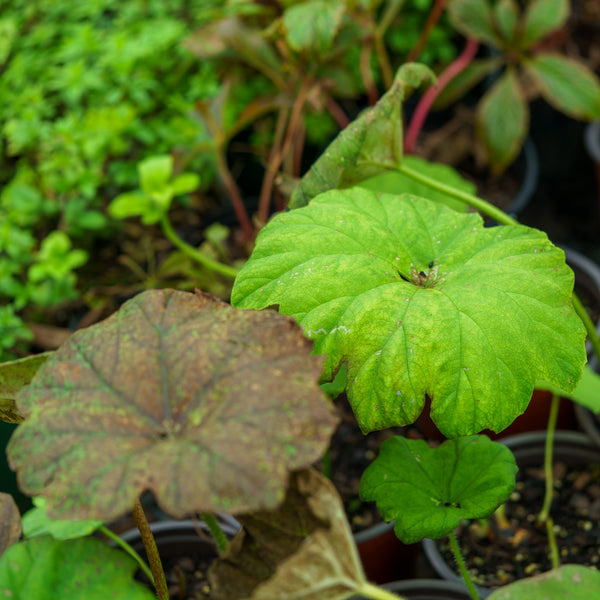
[(14, 375), (418, 299), (429, 491), (36, 522), (83, 569), (10, 523), (566, 84), (503, 121), (474, 18), (304, 550), (370, 145), (574, 582), (395, 182), (541, 17), (177, 393), (587, 392), (312, 26)]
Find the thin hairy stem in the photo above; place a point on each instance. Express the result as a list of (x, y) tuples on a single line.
[(461, 566), (217, 533)]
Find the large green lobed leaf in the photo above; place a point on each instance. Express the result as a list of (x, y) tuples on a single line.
[(208, 407), (474, 331)]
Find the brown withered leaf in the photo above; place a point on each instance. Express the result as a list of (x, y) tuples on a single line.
[(208, 406), (303, 550), (10, 522)]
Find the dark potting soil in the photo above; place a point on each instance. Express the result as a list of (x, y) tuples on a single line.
[(499, 554), (351, 452)]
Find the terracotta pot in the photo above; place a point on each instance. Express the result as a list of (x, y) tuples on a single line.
[(384, 557), (570, 447)]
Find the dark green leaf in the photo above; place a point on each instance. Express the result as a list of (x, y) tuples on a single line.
[(475, 330), (176, 393), (43, 568), (429, 491), (574, 582), (507, 14), (474, 18), (566, 84), (503, 121), (304, 550), (312, 26), (541, 17), (370, 145)]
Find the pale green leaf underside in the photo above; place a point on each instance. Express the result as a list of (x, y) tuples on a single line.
[(429, 491), (574, 582), (497, 318)]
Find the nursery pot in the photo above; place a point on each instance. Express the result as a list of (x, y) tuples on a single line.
[(427, 589), (181, 540), (383, 556), (572, 449), (592, 145)]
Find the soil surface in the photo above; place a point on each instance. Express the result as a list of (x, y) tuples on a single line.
[(497, 553)]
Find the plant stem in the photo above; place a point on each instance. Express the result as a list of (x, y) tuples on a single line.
[(544, 514), (194, 254), (432, 18), (156, 567), (482, 205), (217, 533), (422, 110), (125, 546), (391, 10), (461, 565), (376, 593), (366, 73), (589, 325)]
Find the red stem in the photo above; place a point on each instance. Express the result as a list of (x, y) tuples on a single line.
[(432, 19), (424, 106)]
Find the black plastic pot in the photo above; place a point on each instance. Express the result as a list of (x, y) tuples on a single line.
[(570, 447)]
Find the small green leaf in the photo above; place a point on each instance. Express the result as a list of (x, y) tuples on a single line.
[(429, 491), (506, 13), (15, 375), (394, 182), (574, 582), (185, 183), (503, 121), (419, 299), (312, 26), (541, 17), (155, 172), (474, 18), (43, 568), (566, 84), (587, 392), (137, 204), (37, 522), (370, 145)]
